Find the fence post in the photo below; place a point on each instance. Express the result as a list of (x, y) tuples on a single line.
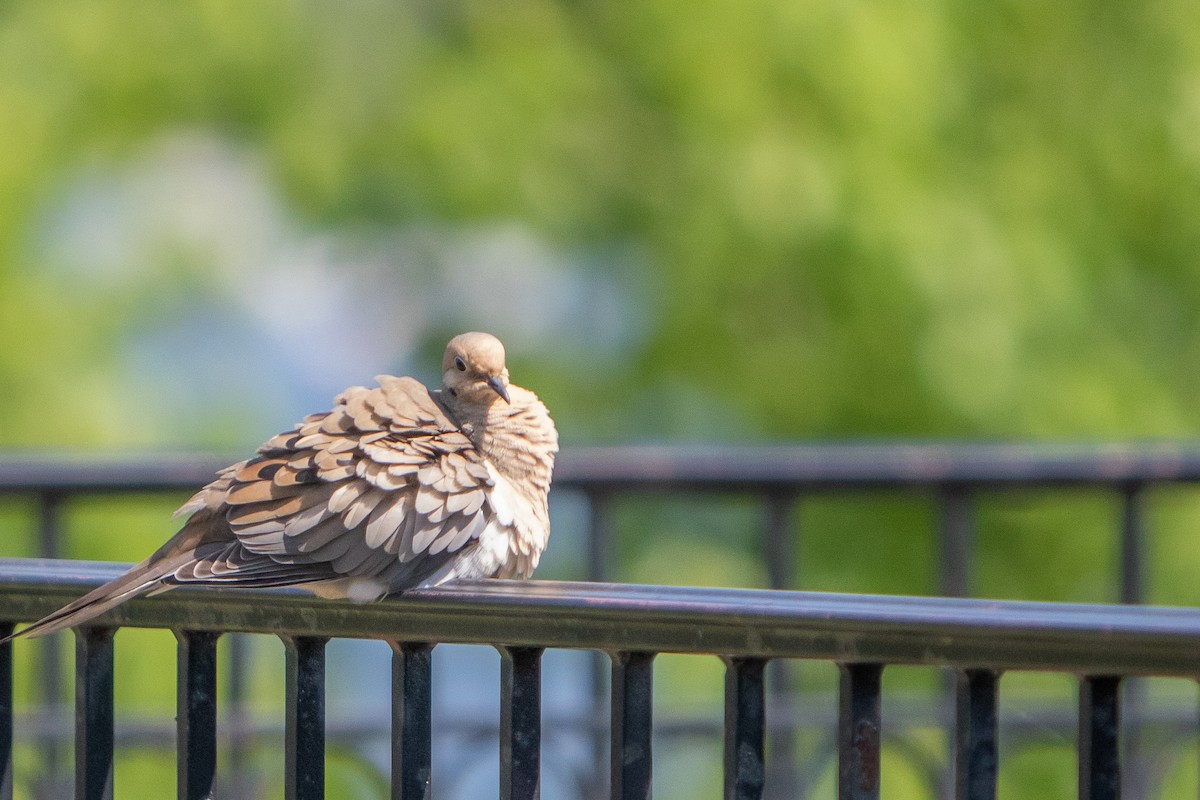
[(745, 722), (304, 727), (196, 713), (600, 546), (94, 713), (520, 722), (779, 550), (412, 729), (859, 732), (1099, 738), (975, 735), (632, 695), (51, 781)]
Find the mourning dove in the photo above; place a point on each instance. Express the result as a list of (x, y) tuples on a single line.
[(397, 486)]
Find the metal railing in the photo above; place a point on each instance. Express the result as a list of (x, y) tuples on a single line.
[(862, 634), (780, 475), (951, 476)]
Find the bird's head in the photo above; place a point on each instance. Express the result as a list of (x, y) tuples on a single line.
[(473, 368)]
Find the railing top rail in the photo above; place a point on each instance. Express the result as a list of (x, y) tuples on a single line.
[(1094, 639), (706, 467), (878, 465)]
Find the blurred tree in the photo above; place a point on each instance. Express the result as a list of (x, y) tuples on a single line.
[(744, 221), (878, 219)]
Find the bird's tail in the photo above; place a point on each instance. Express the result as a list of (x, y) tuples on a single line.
[(141, 579)]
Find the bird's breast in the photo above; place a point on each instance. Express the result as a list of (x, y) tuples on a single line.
[(519, 528)]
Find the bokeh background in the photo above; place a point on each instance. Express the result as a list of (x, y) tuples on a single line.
[(746, 222)]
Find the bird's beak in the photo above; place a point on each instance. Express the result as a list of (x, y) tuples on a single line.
[(499, 387)]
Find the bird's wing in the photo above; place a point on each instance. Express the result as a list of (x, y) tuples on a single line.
[(383, 486)]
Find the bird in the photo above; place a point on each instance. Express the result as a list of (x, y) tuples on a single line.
[(397, 486)]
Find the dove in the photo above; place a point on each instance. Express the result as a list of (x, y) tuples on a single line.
[(398, 486)]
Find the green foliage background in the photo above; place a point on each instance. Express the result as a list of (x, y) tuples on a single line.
[(848, 219)]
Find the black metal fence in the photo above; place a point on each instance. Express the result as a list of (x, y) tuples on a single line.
[(862, 634), (952, 476)]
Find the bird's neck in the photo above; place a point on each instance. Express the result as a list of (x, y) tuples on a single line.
[(518, 437)]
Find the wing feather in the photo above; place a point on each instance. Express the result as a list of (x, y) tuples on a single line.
[(387, 520), (383, 485), (346, 493)]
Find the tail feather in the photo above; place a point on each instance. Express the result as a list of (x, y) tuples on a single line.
[(140, 579)]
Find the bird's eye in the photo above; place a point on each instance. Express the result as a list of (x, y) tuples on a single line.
[(459, 364)]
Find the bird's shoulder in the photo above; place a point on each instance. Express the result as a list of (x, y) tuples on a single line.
[(393, 436), (383, 484)]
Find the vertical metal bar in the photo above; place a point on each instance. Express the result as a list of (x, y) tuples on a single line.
[(600, 541), (779, 551), (6, 714), (1099, 738), (196, 714), (956, 538), (412, 726), (975, 735), (48, 650), (600, 544), (859, 731), (304, 727), (632, 700), (94, 713), (745, 723), (956, 529), (1132, 545), (1132, 591), (779, 545), (520, 723), (49, 524)]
